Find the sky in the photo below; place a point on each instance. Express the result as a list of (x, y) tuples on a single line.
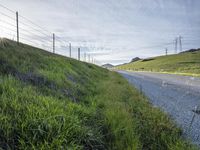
[(110, 31)]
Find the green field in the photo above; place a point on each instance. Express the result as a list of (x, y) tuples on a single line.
[(187, 63), (49, 102)]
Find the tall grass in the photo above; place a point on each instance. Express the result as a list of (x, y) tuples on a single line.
[(52, 102)]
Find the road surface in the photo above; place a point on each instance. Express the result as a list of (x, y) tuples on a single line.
[(179, 96)]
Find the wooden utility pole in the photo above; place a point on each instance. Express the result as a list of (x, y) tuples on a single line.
[(53, 43), (17, 23)]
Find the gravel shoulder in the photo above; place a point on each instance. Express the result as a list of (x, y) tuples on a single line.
[(177, 95)]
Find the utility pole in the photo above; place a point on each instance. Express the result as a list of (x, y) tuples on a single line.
[(17, 23), (53, 43), (70, 50), (176, 42), (79, 53), (166, 51), (180, 42)]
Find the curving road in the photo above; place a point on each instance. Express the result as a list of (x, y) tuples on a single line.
[(179, 96)]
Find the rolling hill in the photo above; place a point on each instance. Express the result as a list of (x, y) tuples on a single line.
[(108, 66), (49, 101), (186, 63)]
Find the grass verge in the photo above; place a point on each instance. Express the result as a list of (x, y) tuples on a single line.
[(53, 102)]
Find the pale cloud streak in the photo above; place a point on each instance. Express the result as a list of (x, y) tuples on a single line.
[(115, 31)]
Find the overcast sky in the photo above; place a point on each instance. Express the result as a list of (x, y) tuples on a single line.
[(114, 31)]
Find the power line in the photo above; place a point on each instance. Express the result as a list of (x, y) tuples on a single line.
[(23, 28), (24, 18), (161, 45), (23, 38), (34, 34), (7, 16), (34, 28), (7, 8), (8, 23), (27, 33), (7, 28), (35, 24)]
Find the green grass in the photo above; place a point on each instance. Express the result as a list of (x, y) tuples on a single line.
[(184, 63), (53, 102)]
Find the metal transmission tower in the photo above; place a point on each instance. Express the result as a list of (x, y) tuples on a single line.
[(180, 43), (176, 45)]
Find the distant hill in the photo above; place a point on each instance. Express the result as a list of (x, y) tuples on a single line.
[(108, 66), (132, 60), (191, 50), (135, 59), (187, 63)]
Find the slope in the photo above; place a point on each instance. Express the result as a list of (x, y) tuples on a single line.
[(187, 63), (49, 101)]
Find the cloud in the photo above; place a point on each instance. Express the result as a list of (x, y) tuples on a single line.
[(112, 30)]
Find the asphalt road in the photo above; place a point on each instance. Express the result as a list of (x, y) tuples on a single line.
[(179, 96)]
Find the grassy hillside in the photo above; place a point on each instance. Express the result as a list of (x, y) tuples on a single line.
[(187, 63), (53, 102)]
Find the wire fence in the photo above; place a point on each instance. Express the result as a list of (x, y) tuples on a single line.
[(16, 27)]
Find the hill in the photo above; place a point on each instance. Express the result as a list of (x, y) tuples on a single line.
[(186, 63), (108, 66), (49, 101), (135, 59)]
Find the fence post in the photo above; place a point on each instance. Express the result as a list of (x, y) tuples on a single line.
[(70, 50), (79, 53), (17, 23), (53, 43)]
